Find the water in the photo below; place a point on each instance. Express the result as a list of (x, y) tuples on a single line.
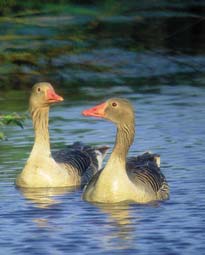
[(170, 121)]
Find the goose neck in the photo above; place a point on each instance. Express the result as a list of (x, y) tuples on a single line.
[(40, 123), (124, 139)]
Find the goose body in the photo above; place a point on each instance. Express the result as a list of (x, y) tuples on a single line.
[(72, 166), (134, 179)]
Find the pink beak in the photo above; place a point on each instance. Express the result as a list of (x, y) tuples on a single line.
[(52, 97), (96, 111)]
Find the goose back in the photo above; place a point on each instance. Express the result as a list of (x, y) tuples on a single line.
[(144, 172), (81, 160)]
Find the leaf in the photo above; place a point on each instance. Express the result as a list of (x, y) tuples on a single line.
[(2, 136), (18, 123)]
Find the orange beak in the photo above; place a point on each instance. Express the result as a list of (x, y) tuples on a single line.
[(96, 111), (52, 97)]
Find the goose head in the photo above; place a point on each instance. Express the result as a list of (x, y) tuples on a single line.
[(42, 95), (117, 110)]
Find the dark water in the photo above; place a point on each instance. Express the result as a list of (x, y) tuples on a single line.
[(170, 121)]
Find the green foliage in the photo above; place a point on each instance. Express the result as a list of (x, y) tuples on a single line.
[(8, 6), (80, 7), (10, 119)]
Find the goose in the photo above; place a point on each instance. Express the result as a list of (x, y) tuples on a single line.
[(71, 166), (136, 179)]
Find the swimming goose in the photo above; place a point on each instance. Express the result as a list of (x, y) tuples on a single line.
[(137, 179), (72, 166)]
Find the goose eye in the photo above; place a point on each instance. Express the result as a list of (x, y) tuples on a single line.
[(38, 89), (114, 104)]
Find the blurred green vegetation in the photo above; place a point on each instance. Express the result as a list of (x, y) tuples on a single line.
[(89, 7), (34, 33), (92, 7), (47, 40), (10, 119)]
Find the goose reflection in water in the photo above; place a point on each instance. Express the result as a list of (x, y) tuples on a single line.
[(45, 197), (121, 225)]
